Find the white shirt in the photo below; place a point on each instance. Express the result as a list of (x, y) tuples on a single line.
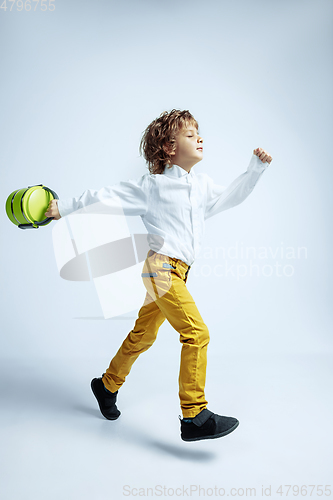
[(174, 205)]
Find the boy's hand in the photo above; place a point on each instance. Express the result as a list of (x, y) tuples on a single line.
[(52, 210), (263, 155)]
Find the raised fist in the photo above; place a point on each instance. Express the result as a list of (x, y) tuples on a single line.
[(263, 155)]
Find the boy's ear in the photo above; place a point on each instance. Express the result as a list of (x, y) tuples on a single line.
[(168, 149)]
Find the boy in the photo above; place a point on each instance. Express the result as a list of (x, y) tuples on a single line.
[(173, 203)]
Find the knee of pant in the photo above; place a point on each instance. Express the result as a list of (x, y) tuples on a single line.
[(199, 336), (204, 336)]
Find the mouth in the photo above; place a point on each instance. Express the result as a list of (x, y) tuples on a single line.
[(200, 149)]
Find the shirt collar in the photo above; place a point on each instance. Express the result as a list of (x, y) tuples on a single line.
[(176, 171)]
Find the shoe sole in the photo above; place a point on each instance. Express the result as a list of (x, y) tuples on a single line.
[(102, 412), (221, 434)]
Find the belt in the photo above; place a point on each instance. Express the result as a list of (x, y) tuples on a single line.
[(151, 252)]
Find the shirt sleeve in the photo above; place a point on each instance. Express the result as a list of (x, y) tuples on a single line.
[(221, 198), (127, 197)]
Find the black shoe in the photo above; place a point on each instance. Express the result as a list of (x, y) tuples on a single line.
[(207, 425), (106, 401)]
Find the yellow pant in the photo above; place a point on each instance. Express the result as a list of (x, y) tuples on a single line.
[(167, 297)]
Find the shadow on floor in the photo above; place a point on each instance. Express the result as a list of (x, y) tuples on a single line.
[(138, 437)]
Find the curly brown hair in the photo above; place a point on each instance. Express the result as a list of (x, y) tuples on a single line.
[(159, 138)]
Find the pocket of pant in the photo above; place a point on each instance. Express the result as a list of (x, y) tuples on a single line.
[(162, 274), (157, 270), (149, 275), (157, 282)]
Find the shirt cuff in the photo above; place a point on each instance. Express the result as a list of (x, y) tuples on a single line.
[(64, 207), (257, 165)]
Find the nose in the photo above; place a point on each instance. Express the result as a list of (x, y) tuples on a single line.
[(200, 139)]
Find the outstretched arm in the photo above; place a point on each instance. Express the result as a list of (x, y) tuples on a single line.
[(221, 198), (127, 197)]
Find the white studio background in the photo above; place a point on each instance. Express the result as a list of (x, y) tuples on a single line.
[(78, 87)]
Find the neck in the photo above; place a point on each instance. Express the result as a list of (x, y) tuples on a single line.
[(188, 169)]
